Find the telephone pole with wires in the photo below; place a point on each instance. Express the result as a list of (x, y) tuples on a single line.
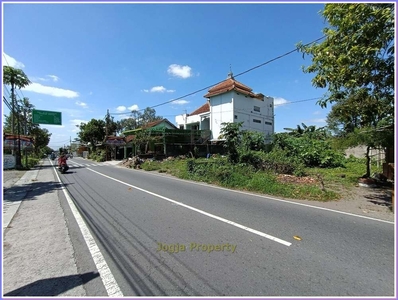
[(107, 118)]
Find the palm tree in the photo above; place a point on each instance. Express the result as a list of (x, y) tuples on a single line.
[(15, 78)]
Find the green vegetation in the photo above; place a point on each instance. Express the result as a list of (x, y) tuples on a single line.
[(299, 164), (355, 63), (238, 176), (98, 155)]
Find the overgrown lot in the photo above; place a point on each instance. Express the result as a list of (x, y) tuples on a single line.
[(221, 172)]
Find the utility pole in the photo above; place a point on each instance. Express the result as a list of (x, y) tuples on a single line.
[(12, 117), (26, 133), (18, 156), (106, 134)]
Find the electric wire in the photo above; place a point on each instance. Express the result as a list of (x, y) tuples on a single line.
[(239, 74)]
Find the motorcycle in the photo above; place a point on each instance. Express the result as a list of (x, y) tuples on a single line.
[(63, 168)]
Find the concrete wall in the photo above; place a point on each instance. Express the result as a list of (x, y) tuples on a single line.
[(221, 111), (257, 115), (360, 152)]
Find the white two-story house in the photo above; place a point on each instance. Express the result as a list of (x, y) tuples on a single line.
[(231, 101)]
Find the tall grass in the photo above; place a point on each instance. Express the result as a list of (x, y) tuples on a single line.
[(239, 176)]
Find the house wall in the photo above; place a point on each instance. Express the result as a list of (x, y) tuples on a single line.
[(221, 111), (205, 124), (234, 107), (254, 120)]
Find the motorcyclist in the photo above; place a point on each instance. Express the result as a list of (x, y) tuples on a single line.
[(62, 160)]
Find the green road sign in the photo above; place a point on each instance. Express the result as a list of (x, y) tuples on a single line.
[(46, 117)]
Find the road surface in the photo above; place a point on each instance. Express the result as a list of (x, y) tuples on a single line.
[(161, 236)]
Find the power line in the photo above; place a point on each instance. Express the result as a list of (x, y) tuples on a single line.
[(244, 72), (281, 104), (7, 103), (298, 101)]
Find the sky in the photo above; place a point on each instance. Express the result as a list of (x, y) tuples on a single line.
[(86, 58)]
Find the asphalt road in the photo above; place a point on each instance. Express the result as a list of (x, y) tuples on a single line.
[(161, 236)]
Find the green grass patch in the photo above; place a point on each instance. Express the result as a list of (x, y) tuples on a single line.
[(240, 176)]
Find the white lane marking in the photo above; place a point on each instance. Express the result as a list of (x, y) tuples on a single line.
[(275, 239), (266, 197), (111, 286)]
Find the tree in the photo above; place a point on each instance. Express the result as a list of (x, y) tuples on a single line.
[(356, 64), (231, 133), (126, 124), (41, 138), (92, 132), (149, 115), (23, 114), (15, 78), (357, 54), (139, 119)]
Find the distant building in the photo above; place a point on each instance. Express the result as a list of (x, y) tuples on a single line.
[(231, 101)]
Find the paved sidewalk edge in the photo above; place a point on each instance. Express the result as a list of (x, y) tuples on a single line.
[(14, 199)]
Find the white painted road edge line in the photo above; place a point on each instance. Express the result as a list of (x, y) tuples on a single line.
[(110, 284), (270, 237), (270, 198)]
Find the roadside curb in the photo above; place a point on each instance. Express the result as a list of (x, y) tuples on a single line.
[(13, 196)]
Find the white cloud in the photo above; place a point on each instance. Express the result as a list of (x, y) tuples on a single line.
[(159, 89), (180, 102), (321, 120), (53, 77), (12, 62), (82, 104), (75, 122), (37, 79), (280, 101), (121, 108), (316, 112), (133, 107), (180, 71), (49, 90)]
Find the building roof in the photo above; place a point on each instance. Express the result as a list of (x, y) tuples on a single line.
[(155, 123), (203, 109), (149, 125), (230, 84)]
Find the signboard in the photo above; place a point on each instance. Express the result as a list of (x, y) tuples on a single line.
[(115, 142), (46, 117), (10, 142), (8, 161)]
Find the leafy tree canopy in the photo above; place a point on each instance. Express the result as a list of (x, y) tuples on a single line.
[(357, 54), (15, 77), (92, 132)]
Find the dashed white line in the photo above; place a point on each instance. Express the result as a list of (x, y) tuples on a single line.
[(270, 237), (271, 198)]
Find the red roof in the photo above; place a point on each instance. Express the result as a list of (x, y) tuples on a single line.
[(203, 109), (232, 84)]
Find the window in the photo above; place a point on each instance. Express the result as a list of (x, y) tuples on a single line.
[(181, 126), (256, 121), (236, 116), (268, 123), (257, 108)]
